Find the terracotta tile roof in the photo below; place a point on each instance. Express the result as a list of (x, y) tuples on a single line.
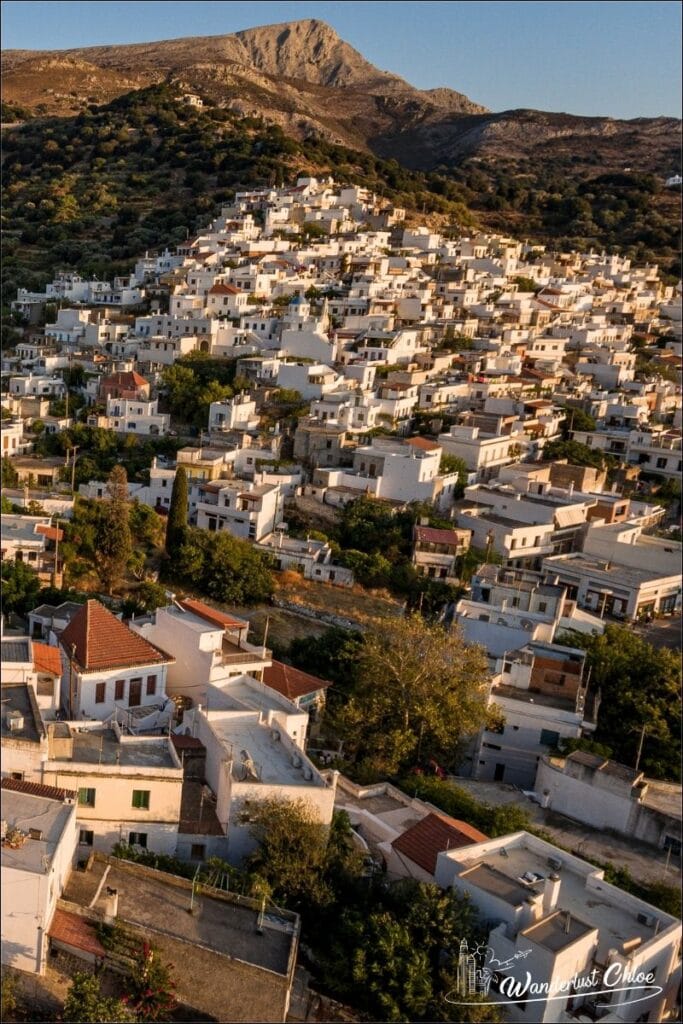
[(125, 378), (292, 682), (36, 789), (50, 532), (424, 841), (224, 289), (430, 535), (75, 931), (102, 641), (423, 443), (46, 659), (211, 614)]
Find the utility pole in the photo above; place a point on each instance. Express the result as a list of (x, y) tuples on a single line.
[(72, 655), (640, 746), (74, 449), (56, 566)]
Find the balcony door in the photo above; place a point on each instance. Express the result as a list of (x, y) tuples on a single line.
[(135, 693)]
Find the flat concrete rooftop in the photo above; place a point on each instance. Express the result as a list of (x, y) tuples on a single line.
[(246, 692), (597, 907), (151, 900), (17, 698), (578, 563), (25, 811), (101, 746), (557, 931), (273, 758)]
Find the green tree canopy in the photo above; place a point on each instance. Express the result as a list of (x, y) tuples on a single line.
[(640, 687), (575, 453), (226, 568), (85, 1003), (421, 692), (20, 586)]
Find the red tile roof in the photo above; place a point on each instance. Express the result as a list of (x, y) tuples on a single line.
[(125, 378), (292, 682), (50, 532), (224, 289), (36, 789), (423, 443), (430, 535), (423, 842), (102, 641), (46, 659), (204, 611), (76, 931)]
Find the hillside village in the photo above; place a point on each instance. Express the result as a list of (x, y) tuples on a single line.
[(319, 374)]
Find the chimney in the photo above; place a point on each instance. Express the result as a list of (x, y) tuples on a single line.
[(531, 912), (111, 905), (551, 893)]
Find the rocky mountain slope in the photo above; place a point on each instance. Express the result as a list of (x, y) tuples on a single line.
[(300, 75), (583, 180), (303, 77)]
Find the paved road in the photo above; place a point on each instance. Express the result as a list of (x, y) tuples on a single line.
[(644, 862), (663, 632)]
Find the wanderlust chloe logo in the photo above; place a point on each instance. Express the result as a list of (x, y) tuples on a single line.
[(479, 970)]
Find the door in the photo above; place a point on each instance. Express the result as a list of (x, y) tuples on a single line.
[(135, 693), (499, 772)]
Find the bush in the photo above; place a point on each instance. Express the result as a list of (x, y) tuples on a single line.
[(493, 821)]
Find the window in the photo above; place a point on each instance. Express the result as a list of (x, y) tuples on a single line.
[(151, 685), (19, 776), (661, 463), (85, 837), (141, 799), (86, 797), (542, 606), (119, 689), (673, 844), (549, 738), (197, 851), (492, 746), (507, 668), (137, 839), (100, 693)]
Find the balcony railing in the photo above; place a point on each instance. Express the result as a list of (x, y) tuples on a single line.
[(234, 654)]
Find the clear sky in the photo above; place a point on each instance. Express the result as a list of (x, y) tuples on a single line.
[(614, 58)]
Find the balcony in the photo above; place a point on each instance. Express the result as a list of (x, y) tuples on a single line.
[(243, 653)]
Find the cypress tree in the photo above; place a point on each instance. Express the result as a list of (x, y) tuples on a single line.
[(114, 544), (176, 525)]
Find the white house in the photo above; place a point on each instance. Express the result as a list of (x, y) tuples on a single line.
[(39, 841), (106, 667), (209, 647), (606, 795), (552, 918), (130, 416), (243, 509), (129, 787), (238, 413), (250, 756), (483, 453)]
